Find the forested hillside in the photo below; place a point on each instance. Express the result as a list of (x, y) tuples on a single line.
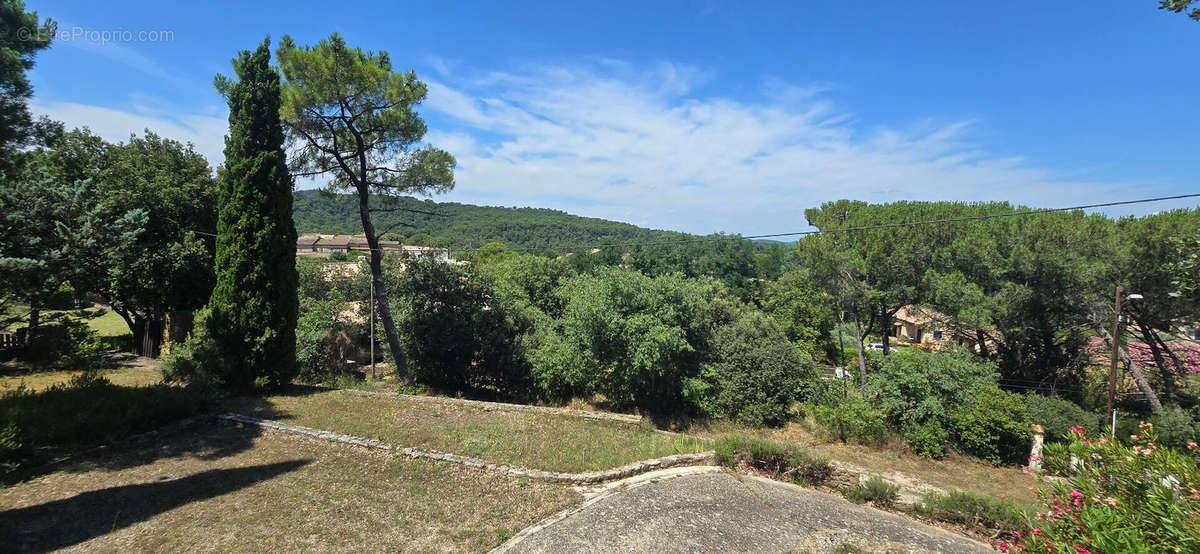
[(466, 225)]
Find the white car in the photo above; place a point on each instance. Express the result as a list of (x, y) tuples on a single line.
[(876, 346)]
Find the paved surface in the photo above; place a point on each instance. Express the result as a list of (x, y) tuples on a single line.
[(722, 512)]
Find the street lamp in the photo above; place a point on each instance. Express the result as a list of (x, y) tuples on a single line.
[(1116, 348)]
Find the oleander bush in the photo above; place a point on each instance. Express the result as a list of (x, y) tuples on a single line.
[(1136, 498)]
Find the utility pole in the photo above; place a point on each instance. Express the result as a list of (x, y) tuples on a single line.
[(1116, 348)]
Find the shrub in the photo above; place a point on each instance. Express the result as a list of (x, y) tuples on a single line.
[(754, 375), (456, 335), (321, 344), (982, 514), (1139, 498), (1057, 416), (927, 439), (10, 449), (69, 344), (1176, 428), (993, 427), (784, 461), (875, 490), (197, 360), (1056, 458), (850, 418), (913, 386), (635, 339)]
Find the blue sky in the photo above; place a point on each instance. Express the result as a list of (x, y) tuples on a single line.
[(703, 116)]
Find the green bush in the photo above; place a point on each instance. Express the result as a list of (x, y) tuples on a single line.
[(784, 461), (456, 335), (197, 360), (754, 375), (927, 439), (1057, 416), (914, 386), (850, 418), (10, 449), (993, 427), (1176, 428), (982, 514), (69, 344), (635, 339), (321, 342), (875, 490)]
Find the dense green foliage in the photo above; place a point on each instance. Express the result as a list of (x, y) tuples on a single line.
[(1057, 416), (253, 307), (849, 417), (22, 36), (993, 426), (755, 373), (169, 265), (458, 337)]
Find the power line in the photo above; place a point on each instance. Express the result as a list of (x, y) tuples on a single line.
[(861, 228)]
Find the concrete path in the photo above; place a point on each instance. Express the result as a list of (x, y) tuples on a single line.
[(723, 512)]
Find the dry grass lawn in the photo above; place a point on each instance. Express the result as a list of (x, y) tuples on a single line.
[(541, 441), (236, 490)]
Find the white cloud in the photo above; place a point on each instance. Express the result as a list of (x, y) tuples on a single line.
[(644, 147), (204, 130)]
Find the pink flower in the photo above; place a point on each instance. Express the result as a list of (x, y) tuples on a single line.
[(1077, 430), (1076, 494), (1081, 550), (1192, 445), (1110, 501), (1037, 531)]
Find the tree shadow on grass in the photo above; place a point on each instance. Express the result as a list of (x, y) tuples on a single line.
[(133, 425), (70, 521)]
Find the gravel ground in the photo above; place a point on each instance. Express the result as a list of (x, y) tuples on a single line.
[(722, 512)]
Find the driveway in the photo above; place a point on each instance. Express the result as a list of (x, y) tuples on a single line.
[(724, 512)]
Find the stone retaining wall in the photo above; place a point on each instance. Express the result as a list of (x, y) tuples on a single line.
[(584, 478)]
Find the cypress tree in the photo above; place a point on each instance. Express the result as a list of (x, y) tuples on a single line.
[(253, 308)]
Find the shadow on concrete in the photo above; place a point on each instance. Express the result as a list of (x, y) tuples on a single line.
[(70, 521)]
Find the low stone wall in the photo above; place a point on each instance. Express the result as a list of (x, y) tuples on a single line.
[(584, 478)]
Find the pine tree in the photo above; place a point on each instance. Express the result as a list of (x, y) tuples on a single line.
[(253, 309)]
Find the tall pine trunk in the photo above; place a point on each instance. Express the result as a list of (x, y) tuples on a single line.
[(381, 295)]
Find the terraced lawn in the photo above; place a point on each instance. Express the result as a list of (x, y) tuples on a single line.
[(541, 441), (229, 489)]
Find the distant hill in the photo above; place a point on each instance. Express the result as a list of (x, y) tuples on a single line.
[(467, 225)]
